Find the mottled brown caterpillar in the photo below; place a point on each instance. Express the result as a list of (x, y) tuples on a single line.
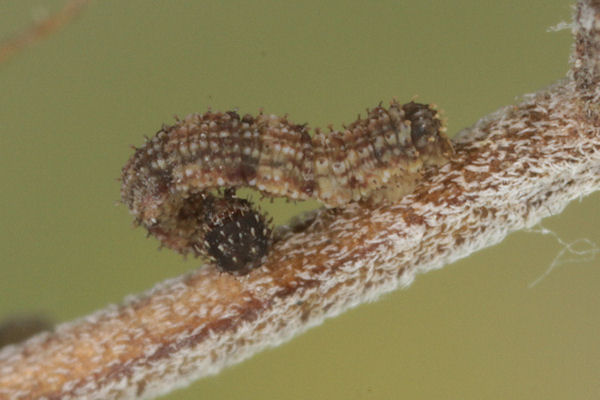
[(169, 182)]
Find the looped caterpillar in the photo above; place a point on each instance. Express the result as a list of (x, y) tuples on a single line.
[(167, 183)]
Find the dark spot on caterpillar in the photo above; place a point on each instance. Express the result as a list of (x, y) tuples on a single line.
[(169, 182), (238, 241), (227, 229)]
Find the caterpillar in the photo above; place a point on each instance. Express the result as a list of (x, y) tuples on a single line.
[(169, 183)]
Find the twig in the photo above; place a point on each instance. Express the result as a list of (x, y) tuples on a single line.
[(511, 169), (41, 29)]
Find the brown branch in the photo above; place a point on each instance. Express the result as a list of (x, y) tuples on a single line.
[(511, 169), (41, 29)]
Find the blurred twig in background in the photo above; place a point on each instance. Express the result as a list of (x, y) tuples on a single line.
[(41, 29)]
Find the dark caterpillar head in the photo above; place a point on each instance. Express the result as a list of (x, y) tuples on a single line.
[(427, 132), (423, 119), (237, 236)]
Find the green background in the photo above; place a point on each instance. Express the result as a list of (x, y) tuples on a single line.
[(71, 105)]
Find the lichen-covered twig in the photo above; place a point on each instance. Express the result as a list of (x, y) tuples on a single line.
[(41, 29), (510, 170)]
